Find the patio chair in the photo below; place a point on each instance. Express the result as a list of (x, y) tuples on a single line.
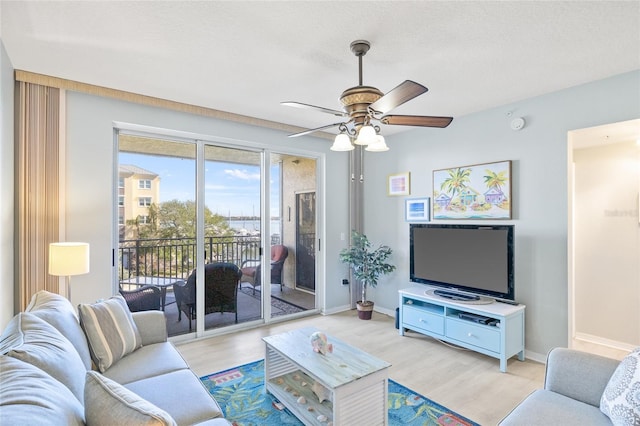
[(251, 268), (221, 291), (145, 298)]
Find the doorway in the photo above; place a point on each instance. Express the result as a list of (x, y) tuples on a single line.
[(604, 238), (305, 241)]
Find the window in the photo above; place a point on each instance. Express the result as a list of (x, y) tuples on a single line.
[(143, 219), (144, 201), (144, 184), (121, 200), (120, 220), (120, 182)]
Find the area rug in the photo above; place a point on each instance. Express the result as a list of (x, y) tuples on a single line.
[(241, 394), (278, 305)]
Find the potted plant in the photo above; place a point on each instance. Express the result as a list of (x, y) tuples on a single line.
[(367, 266)]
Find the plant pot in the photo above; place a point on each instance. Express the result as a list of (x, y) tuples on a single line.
[(365, 309)]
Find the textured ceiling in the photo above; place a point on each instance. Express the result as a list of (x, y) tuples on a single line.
[(246, 57)]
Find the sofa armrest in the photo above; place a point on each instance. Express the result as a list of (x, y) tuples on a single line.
[(578, 375), (152, 326)]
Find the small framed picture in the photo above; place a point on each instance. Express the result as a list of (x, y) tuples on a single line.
[(417, 209), (398, 184)]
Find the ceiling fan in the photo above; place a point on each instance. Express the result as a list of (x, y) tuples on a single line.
[(364, 106)]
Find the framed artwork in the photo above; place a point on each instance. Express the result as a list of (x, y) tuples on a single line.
[(398, 184), (416, 209), (481, 191)]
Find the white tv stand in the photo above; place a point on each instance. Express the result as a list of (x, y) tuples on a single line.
[(495, 329)]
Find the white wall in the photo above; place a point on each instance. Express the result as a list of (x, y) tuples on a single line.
[(539, 185), (90, 163), (6, 188), (607, 243)]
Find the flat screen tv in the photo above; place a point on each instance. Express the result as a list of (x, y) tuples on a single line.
[(464, 262)]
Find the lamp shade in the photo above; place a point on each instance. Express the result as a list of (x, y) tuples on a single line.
[(366, 135), (342, 143), (378, 146), (66, 259)]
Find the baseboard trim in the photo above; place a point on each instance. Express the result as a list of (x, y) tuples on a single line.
[(336, 310), (601, 341)]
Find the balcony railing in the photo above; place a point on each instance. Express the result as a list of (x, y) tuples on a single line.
[(175, 257)]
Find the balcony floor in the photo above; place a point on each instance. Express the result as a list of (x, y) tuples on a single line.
[(283, 302)]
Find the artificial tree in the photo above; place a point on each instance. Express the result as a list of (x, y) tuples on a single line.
[(367, 266)]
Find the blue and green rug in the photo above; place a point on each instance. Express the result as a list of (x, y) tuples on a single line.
[(241, 394)]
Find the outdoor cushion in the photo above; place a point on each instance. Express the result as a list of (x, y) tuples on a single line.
[(109, 403), (33, 340), (148, 361), (621, 398), (178, 393), (110, 330), (30, 396), (59, 312)]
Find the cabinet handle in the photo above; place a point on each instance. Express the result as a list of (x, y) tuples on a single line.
[(469, 334), (421, 320)]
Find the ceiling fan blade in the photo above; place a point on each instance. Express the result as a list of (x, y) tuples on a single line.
[(317, 129), (317, 108), (416, 120), (397, 96)]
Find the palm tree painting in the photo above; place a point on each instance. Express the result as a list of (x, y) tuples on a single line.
[(480, 191)]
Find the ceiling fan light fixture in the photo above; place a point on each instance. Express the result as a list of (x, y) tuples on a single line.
[(378, 146), (367, 135), (342, 142)]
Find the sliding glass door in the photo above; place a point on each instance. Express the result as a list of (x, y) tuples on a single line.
[(193, 237), (231, 193)]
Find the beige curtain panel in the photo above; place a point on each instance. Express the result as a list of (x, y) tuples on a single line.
[(37, 187)]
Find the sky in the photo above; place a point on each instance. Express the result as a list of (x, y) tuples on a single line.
[(230, 189)]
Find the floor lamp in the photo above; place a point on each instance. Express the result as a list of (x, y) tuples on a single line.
[(67, 259)]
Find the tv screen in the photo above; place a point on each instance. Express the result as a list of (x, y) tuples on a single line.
[(471, 258)]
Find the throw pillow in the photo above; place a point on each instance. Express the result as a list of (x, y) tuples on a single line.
[(621, 398), (108, 403), (33, 340), (110, 330), (29, 396), (59, 312)]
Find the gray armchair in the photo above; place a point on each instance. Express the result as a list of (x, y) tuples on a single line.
[(574, 383), (221, 291)]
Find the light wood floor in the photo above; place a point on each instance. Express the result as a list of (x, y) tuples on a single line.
[(464, 381)]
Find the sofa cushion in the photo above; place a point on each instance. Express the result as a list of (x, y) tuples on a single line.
[(30, 396), (181, 394), (60, 313), (33, 340), (109, 403), (148, 361), (110, 330), (621, 398), (544, 408)]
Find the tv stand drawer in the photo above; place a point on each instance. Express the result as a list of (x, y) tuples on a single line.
[(481, 336), (420, 318)]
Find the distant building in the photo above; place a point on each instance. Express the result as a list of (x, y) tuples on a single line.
[(137, 190)]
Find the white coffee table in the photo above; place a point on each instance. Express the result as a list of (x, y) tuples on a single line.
[(355, 382)]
